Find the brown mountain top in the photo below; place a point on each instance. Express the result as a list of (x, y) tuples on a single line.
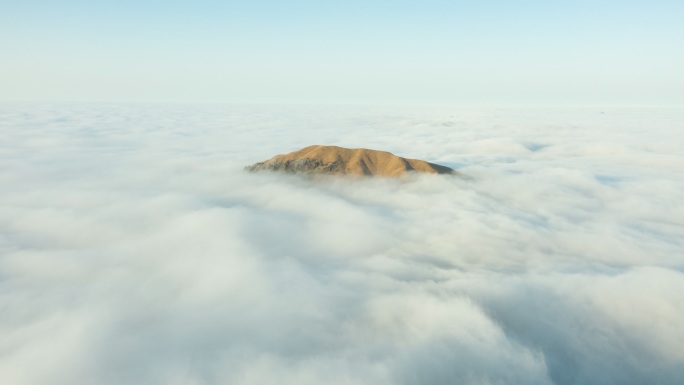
[(339, 160)]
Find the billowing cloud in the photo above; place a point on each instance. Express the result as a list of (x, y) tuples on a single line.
[(134, 249)]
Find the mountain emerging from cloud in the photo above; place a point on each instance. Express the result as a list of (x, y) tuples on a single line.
[(338, 160)]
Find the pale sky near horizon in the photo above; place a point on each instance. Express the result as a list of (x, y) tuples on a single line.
[(488, 52)]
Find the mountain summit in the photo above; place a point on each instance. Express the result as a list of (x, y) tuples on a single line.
[(339, 160)]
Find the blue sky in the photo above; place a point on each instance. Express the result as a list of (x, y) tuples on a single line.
[(463, 52)]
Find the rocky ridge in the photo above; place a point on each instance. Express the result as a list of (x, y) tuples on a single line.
[(335, 160)]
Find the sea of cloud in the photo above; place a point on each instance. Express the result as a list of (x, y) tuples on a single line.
[(135, 250)]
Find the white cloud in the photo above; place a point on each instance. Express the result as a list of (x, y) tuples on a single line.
[(134, 249)]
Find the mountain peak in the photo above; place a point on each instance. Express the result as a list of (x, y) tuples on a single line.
[(336, 160)]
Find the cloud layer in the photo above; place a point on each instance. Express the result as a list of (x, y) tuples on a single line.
[(134, 249)]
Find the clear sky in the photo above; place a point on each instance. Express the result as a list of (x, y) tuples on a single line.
[(430, 51)]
